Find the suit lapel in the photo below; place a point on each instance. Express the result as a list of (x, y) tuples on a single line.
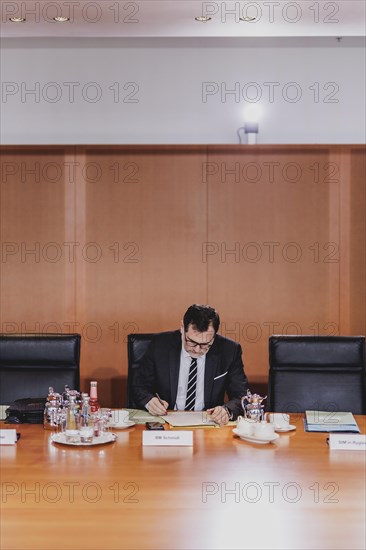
[(212, 360)]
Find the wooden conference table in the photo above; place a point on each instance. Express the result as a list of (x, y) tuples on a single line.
[(222, 493)]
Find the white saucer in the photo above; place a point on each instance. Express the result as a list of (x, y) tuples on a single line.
[(122, 426), (290, 428), (254, 439)]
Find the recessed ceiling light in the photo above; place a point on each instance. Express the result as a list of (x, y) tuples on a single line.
[(247, 19), (60, 19), (203, 18), (17, 19)]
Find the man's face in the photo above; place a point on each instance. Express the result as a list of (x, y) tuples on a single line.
[(197, 343)]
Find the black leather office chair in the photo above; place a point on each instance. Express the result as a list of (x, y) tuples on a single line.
[(30, 363), (137, 345), (324, 373)]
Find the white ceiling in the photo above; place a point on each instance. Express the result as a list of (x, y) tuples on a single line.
[(175, 18)]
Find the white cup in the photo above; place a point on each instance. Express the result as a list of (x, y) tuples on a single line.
[(264, 429), (2, 411), (119, 416), (280, 420), (244, 426)]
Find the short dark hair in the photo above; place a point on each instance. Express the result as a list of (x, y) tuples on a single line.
[(200, 317)]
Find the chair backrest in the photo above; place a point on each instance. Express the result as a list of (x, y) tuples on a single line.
[(30, 363), (325, 373), (137, 345)]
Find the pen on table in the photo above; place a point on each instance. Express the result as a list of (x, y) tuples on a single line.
[(161, 403)]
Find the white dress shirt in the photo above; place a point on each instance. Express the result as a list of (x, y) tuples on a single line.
[(185, 363)]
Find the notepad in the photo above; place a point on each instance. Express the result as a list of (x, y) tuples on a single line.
[(189, 419), (140, 417), (323, 421)]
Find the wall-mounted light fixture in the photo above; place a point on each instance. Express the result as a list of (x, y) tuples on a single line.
[(251, 130), (252, 115), (203, 18)]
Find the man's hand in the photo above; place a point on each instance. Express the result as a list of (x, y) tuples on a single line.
[(156, 408), (219, 415)]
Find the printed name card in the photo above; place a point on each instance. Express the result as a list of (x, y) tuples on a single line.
[(347, 442), (168, 438), (8, 437)]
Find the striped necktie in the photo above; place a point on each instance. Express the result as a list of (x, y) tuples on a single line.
[(191, 388)]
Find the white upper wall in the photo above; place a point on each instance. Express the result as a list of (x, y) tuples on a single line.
[(178, 91)]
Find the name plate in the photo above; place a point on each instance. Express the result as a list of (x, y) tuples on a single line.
[(168, 438), (8, 437), (347, 442)]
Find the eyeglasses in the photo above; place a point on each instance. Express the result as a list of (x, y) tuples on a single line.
[(194, 344)]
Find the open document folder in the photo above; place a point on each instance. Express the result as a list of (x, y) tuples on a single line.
[(322, 421), (189, 419)]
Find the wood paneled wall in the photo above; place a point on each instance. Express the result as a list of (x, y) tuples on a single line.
[(108, 240)]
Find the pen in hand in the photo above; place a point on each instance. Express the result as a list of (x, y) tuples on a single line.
[(161, 403)]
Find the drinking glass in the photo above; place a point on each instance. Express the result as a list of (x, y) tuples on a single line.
[(105, 419)]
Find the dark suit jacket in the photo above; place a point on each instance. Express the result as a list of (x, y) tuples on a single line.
[(159, 372)]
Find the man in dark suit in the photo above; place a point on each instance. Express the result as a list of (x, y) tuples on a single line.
[(192, 369)]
